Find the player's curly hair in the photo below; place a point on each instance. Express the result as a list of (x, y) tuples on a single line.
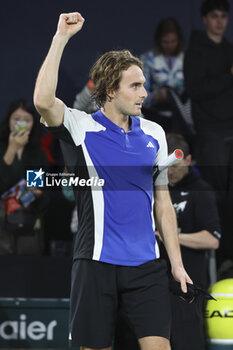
[(107, 71)]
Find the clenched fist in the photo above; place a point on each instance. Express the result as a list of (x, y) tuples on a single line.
[(69, 24)]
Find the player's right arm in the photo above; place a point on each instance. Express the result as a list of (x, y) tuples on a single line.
[(45, 100)]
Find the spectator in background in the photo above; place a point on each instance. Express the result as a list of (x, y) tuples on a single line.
[(20, 150), (163, 70), (83, 99), (208, 71), (199, 231)]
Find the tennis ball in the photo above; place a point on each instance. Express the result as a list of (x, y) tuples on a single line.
[(219, 314)]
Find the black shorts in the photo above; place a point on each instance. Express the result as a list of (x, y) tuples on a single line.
[(187, 330), (100, 290)]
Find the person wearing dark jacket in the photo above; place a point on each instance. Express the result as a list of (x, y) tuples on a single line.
[(208, 72), (19, 150), (199, 232), (21, 228)]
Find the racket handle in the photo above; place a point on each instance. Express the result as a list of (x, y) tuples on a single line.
[(169, 161)]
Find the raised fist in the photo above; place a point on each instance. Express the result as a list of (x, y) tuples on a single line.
[(70, 23)]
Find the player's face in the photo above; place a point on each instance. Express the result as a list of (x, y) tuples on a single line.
[(216, 22), (169, 44), (129, 97), (21, 115), (177, 171)]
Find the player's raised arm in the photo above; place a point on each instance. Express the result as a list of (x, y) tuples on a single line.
[(45, 100)]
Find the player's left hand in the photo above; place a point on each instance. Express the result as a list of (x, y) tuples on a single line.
[(181, 276)]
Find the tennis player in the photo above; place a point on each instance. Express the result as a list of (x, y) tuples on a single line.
[(116, 256)]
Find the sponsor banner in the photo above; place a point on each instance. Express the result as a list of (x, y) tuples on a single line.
[(34, 323), (218, 346)]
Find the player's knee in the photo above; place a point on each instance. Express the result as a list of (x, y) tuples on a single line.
[(84, 348), (154, 343)]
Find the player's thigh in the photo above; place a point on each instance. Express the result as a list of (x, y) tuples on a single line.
[(93, 304), (145, 299), (154, 343)]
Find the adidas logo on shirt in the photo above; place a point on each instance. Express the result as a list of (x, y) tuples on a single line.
[(150, 144)]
